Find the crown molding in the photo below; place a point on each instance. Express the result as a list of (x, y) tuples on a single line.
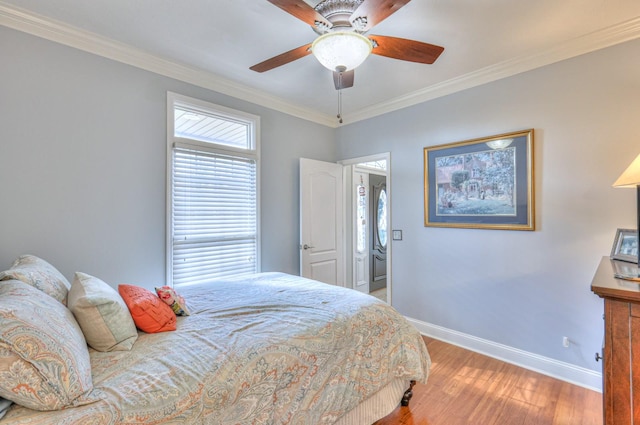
[(616, 34), (25, 21)]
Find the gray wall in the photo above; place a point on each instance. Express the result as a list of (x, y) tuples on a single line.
[(522, 289), (83, 150), (82, 178)]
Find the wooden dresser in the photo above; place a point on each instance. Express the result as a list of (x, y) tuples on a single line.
[(621, 350)]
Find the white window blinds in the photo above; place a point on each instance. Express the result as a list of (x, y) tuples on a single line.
[(213, 191), (214, 216)]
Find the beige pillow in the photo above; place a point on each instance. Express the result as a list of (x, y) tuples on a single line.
[(38, 273), (102, 314), (44, 361)]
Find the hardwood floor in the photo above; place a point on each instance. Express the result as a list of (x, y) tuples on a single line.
[(466, 388)]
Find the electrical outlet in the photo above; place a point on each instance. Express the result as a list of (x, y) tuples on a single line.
[(565, 341)]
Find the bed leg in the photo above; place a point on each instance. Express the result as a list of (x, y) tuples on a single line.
[(408, 394)]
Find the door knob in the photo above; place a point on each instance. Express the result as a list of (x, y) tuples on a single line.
[(305, 246), (598, 357)]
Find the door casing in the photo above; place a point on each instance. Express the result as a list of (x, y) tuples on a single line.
[(349, 217), (344, 275)]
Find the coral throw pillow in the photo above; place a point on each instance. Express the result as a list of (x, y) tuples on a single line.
[(149, 313)]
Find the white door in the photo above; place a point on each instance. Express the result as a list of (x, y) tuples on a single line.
[(361, 231), (321, 240)]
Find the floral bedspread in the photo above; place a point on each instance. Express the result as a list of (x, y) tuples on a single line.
[(268, 349)]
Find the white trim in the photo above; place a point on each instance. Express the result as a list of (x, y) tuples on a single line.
[(253, 153), (607, 37), (168, 251), (59, 32), (25, 21), (347, 177), (568, 372)]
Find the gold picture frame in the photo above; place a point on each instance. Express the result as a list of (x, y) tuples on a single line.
[(484, 183)]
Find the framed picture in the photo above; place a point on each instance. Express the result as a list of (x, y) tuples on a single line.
[(625, 246), (482, 183)]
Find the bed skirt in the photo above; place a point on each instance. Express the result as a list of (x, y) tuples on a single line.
[(378, 406)]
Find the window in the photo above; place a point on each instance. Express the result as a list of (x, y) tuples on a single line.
[(382, 218), (213, 191), (374, 165), (361, 225)]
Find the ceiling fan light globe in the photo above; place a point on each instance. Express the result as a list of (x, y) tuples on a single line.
[(341, 50)]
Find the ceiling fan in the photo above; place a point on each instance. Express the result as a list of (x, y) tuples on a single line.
[(341, 45)]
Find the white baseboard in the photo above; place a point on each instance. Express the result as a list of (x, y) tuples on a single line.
[(577, 375)]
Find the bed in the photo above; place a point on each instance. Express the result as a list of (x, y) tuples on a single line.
[(269, 348)]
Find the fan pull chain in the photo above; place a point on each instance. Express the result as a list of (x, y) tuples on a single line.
[(340, 106), (340, 98)]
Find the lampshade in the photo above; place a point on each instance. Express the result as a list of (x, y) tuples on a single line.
[(631, 176), (341, 50)]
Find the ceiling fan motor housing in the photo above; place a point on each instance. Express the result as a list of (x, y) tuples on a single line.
[(339, 12)]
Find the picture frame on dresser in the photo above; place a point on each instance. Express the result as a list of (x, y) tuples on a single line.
[(625, 246)]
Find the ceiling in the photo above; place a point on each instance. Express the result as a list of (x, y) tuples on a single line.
[(213, 43)]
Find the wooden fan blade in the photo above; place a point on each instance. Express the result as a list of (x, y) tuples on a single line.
[(343, 80), (406, 50), (282, 59), (301, 10), (375, 11)]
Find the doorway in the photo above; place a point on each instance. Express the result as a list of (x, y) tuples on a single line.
[(368, 220)]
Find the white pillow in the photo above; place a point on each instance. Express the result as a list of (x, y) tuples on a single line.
[(102, 314)]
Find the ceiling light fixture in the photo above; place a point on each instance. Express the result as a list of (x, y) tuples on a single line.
[(341, 50)]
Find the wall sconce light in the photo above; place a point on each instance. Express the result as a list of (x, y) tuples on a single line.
[(500, 143)]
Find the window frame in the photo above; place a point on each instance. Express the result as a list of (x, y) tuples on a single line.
[(252, 153)]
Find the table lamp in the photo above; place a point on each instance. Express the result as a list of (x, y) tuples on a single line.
[(631, 178)]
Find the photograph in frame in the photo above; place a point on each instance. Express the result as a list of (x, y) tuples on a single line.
[(625, 246)]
